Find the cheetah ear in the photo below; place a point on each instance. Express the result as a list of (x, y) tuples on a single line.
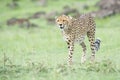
[(70, 17), (56, 17)]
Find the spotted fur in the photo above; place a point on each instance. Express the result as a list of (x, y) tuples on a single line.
[(75, 30)]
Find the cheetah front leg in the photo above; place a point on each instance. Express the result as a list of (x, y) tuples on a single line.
[(83, 58), (71, 49)]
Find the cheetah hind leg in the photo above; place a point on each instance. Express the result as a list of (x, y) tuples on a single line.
[(83, 58), (91, 37)]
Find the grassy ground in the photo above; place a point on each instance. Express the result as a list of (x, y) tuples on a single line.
[(41, 53)]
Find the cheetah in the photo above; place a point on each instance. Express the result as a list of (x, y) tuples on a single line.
[(74, 30)]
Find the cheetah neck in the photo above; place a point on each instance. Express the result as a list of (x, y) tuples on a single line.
[(69, 28), (67, 31)]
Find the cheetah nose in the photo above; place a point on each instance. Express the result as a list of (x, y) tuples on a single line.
[(60, 24)]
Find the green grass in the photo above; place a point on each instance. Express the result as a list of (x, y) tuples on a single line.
[(41, 53)]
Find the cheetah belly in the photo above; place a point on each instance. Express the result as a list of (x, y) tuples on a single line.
[(79, 39)]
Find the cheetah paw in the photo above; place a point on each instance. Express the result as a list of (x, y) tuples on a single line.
[(83, 59), (92, 59)]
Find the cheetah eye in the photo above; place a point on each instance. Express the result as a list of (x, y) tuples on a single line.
[(57, 20), (63, 20)]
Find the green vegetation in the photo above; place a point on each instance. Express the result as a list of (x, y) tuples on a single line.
[(41, 54)]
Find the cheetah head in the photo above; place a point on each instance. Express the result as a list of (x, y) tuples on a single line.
[(63, 21)]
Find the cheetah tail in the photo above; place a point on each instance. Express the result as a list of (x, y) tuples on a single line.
[(97, 44)]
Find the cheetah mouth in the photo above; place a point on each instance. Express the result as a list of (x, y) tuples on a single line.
[(61, 27)]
